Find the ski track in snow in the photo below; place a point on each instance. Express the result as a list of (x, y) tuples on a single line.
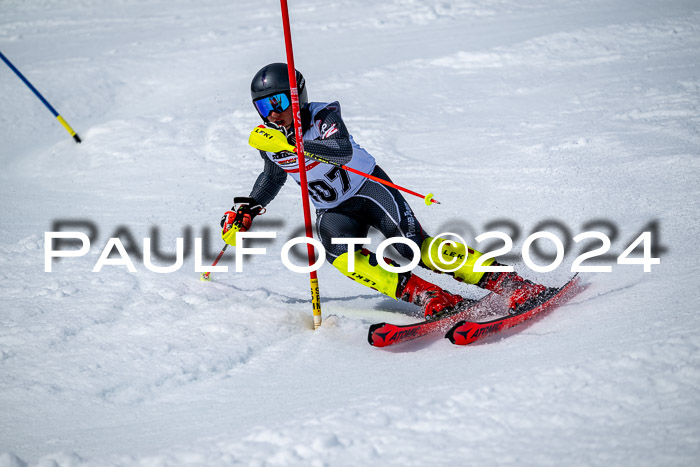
[(581, 112)]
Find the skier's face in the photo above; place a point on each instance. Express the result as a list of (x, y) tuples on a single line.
[(283, 118)]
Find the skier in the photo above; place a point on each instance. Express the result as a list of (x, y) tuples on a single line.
[(347, 204)]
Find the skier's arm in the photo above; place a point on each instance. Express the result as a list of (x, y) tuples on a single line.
[(239, 219), (269, 182)]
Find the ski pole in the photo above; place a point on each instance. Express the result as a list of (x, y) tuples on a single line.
[(427, 198), (206, 275), (263, 140), (41, 98), (294, 94)]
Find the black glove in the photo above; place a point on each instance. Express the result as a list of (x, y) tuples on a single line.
[(242, 217)]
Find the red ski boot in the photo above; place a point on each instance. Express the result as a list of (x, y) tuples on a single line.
[(522, 294), (432, 298)]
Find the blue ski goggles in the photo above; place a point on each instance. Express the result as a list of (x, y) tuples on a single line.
[(275, 103)]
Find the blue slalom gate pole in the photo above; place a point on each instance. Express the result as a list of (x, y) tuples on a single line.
[(41, 98)]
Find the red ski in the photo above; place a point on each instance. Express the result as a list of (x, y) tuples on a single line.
[(384, 334), (466, 332)]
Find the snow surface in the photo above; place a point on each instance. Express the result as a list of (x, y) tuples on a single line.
[(576, 111)]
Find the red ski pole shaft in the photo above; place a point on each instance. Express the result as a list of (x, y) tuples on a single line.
[(205, 275), (427, 198), (294, 94)]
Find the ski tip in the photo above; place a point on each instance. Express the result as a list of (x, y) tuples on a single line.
[(573, 282)]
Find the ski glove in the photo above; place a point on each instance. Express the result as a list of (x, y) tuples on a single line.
[(239, 220), (270, 138)]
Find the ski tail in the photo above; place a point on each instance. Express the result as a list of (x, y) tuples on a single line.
[(467, 332), (385, 334)]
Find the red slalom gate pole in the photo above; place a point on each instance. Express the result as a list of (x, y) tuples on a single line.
[(294, 94)]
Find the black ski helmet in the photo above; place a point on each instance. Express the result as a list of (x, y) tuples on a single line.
[(273, 79)]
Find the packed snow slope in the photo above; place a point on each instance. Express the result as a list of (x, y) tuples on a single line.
[(554, 115)]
